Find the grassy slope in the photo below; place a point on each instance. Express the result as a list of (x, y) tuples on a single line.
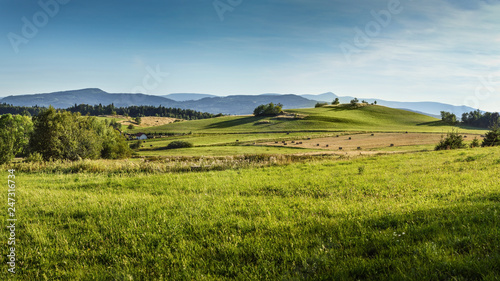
[(420, 216), (368, 118)]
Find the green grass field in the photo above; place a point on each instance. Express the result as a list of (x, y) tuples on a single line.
[(423, 216), (333, 119), (225, 135)]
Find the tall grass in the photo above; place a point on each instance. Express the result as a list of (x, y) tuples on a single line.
[(426, 216)]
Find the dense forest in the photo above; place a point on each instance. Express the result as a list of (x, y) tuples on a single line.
[(96, 110)]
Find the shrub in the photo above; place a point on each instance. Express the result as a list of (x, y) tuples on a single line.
[(354, 101), (130, 127), (452, 141), (320, 104), (34, 157), (135, 145), (336, 101), (492, 138), (179, 144), (474, 143)]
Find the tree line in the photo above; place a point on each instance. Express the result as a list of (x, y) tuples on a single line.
[(59, 134), (474, 118), (96, 110)]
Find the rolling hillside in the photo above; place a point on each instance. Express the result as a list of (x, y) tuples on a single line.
[(340, 118)]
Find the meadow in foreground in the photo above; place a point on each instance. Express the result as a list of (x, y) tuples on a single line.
[(425, 216)]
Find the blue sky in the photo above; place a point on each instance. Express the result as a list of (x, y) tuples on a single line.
[(406, 50)]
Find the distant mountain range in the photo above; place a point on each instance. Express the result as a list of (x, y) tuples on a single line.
[(187, 96), (238, 104)]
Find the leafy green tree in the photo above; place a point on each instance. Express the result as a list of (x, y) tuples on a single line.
[(336, 101), (115, 125), (354, 101), (448, 118), (268, 110), (138, 120), (66, 135), (130, 127), (14, 136)]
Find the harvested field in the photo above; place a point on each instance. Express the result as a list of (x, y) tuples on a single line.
[(148, 121), (366, 142)]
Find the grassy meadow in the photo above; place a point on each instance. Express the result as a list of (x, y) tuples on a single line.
[(239, 206), (231, 135), (325, 119), (422, 216)]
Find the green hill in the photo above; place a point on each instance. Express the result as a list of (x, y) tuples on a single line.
[(330, 118)]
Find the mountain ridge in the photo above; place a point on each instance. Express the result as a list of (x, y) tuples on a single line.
[(233, 104)]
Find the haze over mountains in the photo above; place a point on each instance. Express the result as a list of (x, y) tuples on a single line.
[(237, 104)]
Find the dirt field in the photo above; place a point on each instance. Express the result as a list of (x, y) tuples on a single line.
[(147, 121), (366, 142)]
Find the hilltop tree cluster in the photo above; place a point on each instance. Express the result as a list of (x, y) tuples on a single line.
[(96, 110), (60, 134), (268, 110)]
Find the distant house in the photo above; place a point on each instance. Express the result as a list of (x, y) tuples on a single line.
[(141, 136)]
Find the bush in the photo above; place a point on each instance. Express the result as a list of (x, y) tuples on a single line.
[(336, 101), (452, 141), (474, 143), (354, 102), (34, 157), (179, 144), (130, 127), (135, 145), (320, 104)]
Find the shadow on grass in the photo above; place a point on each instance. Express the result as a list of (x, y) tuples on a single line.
[(235, 122), (458, 126)]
